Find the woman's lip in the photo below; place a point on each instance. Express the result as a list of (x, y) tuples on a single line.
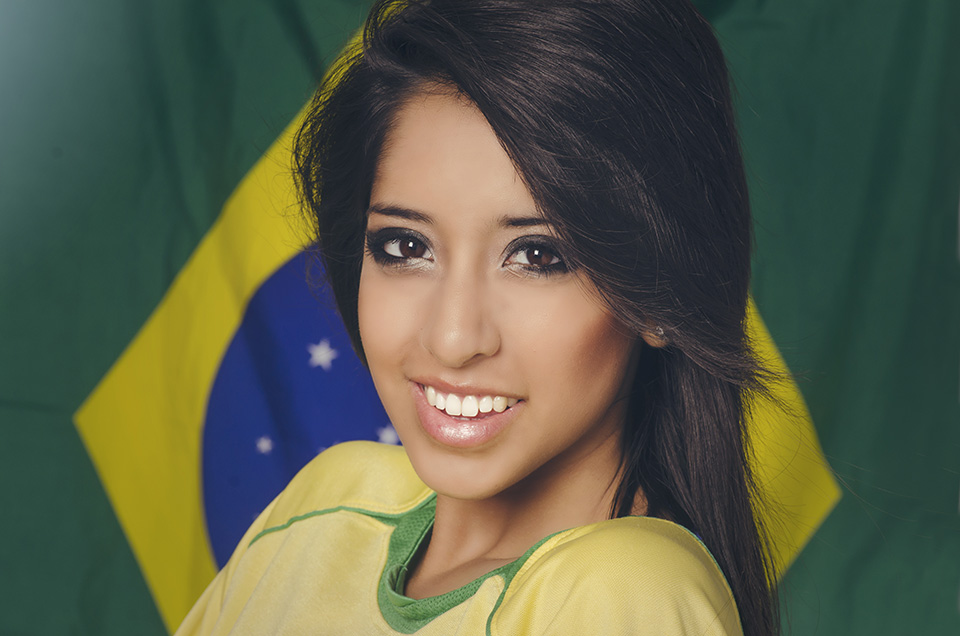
[(460, 432), (460, 389)]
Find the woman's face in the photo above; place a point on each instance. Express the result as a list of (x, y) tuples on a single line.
[(466, 305)]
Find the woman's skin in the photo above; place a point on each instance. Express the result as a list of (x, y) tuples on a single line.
[(453, 296)]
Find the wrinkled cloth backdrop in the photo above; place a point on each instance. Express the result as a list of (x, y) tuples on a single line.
[(125, 127)]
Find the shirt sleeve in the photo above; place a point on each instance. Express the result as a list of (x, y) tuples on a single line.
[(635, 576), (374, 477), (203, 618)]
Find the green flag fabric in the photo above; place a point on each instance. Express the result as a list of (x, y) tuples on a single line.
[(125, 128), (850, 118)]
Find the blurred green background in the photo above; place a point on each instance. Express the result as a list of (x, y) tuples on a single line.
[(125, 125)]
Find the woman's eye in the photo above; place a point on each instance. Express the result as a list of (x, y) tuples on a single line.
[(537, 259), (537, 256), (398, 248), (405, 248)]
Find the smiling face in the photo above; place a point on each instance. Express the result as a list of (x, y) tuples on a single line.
[(466, 305)]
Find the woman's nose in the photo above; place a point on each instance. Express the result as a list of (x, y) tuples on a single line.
[(460, 326)]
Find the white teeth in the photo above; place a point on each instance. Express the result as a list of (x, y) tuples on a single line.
[(468, 405), (453, 405)]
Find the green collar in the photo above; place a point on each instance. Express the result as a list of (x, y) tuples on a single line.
[(407, 615)]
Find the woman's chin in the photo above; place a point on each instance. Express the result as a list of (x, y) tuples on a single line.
[(457, 476)]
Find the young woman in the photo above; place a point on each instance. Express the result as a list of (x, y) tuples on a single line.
[(534, 218)]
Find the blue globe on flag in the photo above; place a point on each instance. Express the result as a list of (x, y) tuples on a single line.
[(288, 387)]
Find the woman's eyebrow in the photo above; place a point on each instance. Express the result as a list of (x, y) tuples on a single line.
[(413, 215), (401, 212), (523, 221)]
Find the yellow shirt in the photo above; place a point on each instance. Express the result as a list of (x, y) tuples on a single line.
[(328, 556)]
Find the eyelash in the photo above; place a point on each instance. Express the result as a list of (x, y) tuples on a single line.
[(378, 240), (544, 243)]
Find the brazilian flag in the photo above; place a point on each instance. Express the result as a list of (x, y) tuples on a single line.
[(165, 367)]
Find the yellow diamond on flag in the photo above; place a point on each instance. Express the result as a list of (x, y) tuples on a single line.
[(143, 424), (788, 463)]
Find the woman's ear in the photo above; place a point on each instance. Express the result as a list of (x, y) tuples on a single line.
[(655, 337)]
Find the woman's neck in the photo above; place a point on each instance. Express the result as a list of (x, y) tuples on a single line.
[(473, 537)]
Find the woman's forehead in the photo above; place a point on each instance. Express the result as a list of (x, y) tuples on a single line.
[(441, 154)]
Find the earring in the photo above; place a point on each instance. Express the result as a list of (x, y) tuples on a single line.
[(658, 330)]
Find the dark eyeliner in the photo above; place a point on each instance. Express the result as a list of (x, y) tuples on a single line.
[(377, 239), (534, 241)]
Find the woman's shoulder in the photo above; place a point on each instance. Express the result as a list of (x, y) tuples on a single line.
[(637, 575), (630, 542), (368, 476)]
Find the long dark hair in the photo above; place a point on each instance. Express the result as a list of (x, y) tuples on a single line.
[(617, 114)]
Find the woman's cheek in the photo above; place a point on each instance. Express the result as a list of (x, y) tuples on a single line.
[(570, 340), (389, 307)]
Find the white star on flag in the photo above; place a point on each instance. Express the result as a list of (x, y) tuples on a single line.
[(322, 354), (387, 435), (264, 445)]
